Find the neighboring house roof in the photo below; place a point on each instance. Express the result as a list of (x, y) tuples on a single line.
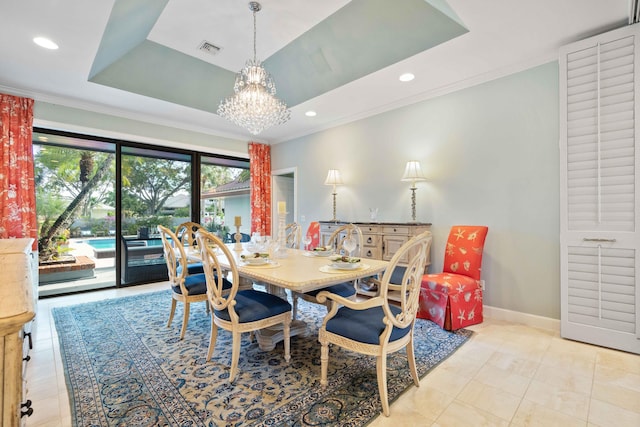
[(233, 188), (178, 201)]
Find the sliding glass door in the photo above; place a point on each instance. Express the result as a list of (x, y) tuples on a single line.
[(75, 202), (155, 190), (101, 200)]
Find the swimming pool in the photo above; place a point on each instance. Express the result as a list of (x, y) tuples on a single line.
[(110, 244), (101, 243)]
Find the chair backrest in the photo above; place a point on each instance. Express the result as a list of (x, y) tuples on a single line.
[(463, 254), (212, 248), (186, 232), (292, 235), (407, 286), (314, 232), (342, 233), (175, 256)]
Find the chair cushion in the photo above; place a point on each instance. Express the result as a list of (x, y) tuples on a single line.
[(252, 305), (363, 325), (196, 284), (448, 283), (343, 289), (192, 268)]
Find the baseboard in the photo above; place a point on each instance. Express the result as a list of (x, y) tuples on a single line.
[(523, 318)]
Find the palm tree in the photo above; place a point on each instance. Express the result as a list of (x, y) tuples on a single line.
[(46, 243)]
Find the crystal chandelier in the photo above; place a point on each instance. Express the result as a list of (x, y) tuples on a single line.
[(254, 105)]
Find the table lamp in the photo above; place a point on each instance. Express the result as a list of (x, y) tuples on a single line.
[(413, 173), (333, 178)]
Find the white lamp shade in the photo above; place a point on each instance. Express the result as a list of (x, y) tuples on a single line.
[(333, 177), (413, 172)]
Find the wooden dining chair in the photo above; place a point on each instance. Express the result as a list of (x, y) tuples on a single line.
[(185, 287), (186, 233), (375, 326), (335, 241), (293, 235), (236, 310)]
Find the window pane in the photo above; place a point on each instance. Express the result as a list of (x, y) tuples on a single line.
[(156, 190), (225, 195)]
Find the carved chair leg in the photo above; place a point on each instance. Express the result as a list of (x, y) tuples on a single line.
[(235, 355), (185, 320), (173, 311), (212, 339), (412, 363), (381, 364), (324, 361), (287, 339)]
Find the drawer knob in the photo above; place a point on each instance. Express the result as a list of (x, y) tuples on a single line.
[(28, 335), (29, 410), (369, 240)]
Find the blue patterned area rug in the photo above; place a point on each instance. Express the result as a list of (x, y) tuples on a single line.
[(124, 367)]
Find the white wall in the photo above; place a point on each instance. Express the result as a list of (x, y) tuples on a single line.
[(491, 156)]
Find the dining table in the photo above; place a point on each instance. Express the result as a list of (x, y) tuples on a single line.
[(295, 270)]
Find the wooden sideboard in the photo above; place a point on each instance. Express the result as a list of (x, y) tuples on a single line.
[(17, 310), (381, 241)]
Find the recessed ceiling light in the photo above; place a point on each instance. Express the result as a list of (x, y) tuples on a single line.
[(407, 77), (310, 114), (45, 42)]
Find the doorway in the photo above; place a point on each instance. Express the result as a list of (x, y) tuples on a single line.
[(284, 188)]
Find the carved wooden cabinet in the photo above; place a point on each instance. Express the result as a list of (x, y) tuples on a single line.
[(17, 310), (381, 241)]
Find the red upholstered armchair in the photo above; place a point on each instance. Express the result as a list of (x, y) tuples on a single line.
[(453, 298), (314, 232)]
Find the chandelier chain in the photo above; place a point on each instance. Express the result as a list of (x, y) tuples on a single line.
[(254, 35)]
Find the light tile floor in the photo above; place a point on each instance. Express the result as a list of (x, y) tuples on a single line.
[(506, 375)]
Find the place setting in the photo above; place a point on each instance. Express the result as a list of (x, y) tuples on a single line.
[(257, 259), (320, 251), (343, 264)]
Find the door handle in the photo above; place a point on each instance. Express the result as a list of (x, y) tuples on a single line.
[(599, 240)]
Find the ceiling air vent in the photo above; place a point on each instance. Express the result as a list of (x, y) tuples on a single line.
[(209, 48)]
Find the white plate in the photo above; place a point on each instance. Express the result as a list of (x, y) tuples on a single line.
[(345, 265), (323, 253), (329, 269), (256, 261)]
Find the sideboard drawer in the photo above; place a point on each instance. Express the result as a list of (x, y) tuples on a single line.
[(396, 230), (371, 252), (371, 239), (330, 228), (369, 228)]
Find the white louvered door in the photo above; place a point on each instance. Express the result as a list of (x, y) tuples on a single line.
[(600, 190)]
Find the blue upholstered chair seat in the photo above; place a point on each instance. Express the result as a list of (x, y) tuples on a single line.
[(252, 305), (343, 289), (363, 325), (193, 268), (197, 285)]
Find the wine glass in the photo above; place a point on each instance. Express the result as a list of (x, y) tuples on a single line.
[(307, 241), (349, 244)]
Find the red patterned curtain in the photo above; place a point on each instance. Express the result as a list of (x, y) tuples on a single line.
[(17, 190), (260, 166)]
